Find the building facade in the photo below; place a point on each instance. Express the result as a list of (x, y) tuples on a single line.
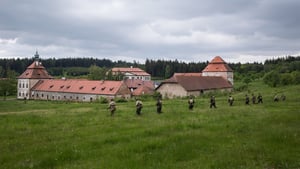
[(36, 83), (217, 76), (131, 73)]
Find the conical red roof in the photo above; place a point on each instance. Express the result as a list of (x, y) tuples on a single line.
[(217, 64), (35, 71)]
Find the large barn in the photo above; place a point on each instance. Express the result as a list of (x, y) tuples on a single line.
[(217, 75)]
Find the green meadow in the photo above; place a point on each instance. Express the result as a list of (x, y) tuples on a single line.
[(48, 134)]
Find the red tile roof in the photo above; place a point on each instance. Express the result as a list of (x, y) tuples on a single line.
[(188, 74), (135, 71), (143, 90), (81, 86), (135, 83), (35, 71), (217, 64), (194, 83)]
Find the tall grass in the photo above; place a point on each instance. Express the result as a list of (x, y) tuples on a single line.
[(41, 134)]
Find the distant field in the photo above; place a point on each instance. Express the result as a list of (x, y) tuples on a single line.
[(41, 134)]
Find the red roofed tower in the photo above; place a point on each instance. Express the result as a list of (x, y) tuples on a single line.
[(30, 77), (218, 67)]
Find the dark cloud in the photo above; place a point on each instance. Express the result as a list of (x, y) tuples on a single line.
[(190, 30)]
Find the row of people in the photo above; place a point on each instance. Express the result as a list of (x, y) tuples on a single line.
[(191, 102)]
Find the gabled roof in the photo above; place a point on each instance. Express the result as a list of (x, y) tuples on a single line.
[(194, 83), (217, 64), (143, 90), (135, 83), (35, 71), (80, 86), (132, 70)]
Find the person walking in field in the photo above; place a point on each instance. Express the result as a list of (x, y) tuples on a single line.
[(283, 97), (112, 107), (158, 105), (230, 100), (213, 102), (253, 99), (247, 100), (260, 98), (139, 106), (191, 103), (276, 98)]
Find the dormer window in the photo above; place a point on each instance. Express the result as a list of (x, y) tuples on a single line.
[(112, 88), (68, 87), (103, 88), (93, 88), (51, 86), (81, 87), (62, 86)]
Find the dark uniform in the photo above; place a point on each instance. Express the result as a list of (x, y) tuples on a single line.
[(139, 106), (259, 98), (158, 106), (283, 97), (230, 100), (247, 100), (253, 99), (212, 102), (276, 99), (112, 107), (191, 103)]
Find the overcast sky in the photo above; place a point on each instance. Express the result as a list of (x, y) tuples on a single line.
[(186, 30)]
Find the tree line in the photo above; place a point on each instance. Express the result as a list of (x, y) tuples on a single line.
[(279, 71)]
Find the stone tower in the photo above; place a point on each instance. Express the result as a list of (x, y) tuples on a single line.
[(30, 77), (218, 67)]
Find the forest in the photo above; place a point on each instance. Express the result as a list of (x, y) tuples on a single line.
[(274, 72)]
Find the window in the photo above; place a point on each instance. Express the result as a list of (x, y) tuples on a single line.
[(27, 85), (20, 85)]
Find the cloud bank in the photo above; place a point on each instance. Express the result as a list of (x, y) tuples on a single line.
[(134, 30)]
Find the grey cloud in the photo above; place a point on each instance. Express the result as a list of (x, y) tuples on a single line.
[(140, 29)]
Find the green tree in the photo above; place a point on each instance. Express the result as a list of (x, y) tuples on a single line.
[(96, 73), (272, 78), (7, 87)]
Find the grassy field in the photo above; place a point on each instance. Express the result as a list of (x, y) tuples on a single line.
[(41, 134)]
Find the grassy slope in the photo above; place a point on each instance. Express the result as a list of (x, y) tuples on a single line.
[(82, 135)]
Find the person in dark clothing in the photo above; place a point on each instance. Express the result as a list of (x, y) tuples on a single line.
[(212, 102), (276, 98), (247, 100), (253, 99), (191, 103), (158, 105), (139, 106), (230, 100), (283, 97), (259, 98)]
